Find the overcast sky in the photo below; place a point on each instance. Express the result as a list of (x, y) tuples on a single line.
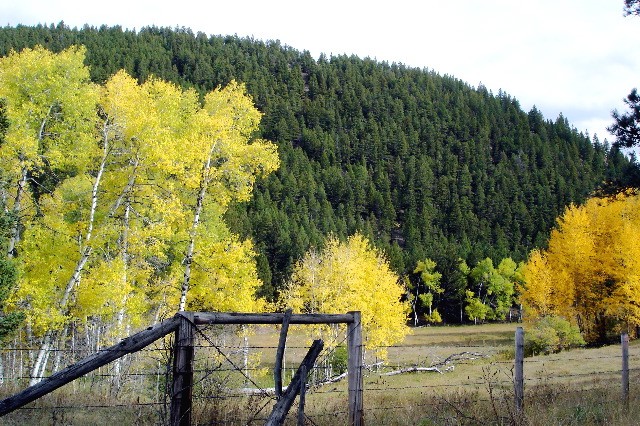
[(575, 57)]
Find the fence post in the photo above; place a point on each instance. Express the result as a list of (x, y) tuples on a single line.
[(303, 393), (182, 389), (518, 380), (277, 370), (625, 367), (354, 368), (280, 410)]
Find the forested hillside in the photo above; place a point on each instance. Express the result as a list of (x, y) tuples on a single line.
[(424, 164)]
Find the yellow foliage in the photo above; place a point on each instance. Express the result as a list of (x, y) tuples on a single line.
[(51, 108), (107, 239), (590, 271), (351, 276)]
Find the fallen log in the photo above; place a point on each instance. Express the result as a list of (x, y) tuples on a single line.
[(413, 370), (437, 367)]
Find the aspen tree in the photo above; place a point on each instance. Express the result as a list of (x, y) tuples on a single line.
[(51, 114), (103, 242), (431, 280), (226, 173), (50, 109), (352, 276), (590, 272)]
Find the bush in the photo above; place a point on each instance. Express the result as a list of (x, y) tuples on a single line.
[(339, 360), (552, 334)]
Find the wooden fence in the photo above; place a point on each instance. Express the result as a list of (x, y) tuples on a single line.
[(518, 375), (183, 325)]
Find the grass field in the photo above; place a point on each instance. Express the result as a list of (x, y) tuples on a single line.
[(578, 387)]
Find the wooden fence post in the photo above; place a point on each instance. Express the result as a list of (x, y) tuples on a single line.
[(277, 370), (280, 410), (625, 367), (303, 393), (518, 380), (354, 368), (182, 389)]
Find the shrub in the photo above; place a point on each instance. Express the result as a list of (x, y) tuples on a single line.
[(552, 334)]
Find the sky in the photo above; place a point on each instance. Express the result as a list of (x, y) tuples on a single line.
[(575, 57)]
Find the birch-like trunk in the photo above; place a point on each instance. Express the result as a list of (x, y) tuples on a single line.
[(15, 229), (14, 239), (38, 366), (85, 253), (61, 344), (117, 368), (245, 354), (85, 247), (1, 369), (188, 257)]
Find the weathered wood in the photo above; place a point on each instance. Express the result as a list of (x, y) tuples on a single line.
[(126, 346), (354, 365), (412, 370), (518, 379), (283, 405), (303, 392), (182, 387), (201, 318), (625, 367), (448, 363), (277, 371)]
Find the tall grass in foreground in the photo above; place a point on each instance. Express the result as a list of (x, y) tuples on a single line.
[(578, 387), (545, 405)]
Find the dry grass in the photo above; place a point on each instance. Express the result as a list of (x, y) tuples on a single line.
[(571, 388)]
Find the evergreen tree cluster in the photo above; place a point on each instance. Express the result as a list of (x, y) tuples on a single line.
[(423, 164)]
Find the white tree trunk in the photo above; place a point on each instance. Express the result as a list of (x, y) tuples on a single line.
[(117, 368), (188, 258), (15, 230), (85, 250), (245, 354), (22, 184), (39, 364)]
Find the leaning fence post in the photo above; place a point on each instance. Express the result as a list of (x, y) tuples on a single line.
[(281, 408), (277, 370), (182, 389), (518, 380), (625, 367), (303, 392), (354, 368)]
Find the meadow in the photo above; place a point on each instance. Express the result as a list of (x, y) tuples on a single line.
[(582, 386)]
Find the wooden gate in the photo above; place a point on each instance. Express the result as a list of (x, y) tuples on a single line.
[(182, 324)]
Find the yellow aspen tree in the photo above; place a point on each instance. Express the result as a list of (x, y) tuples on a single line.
[(589, 273), (51, 111), (89, 215), (220, 165), (151, 172), (352, 276), (50, 108), (115, 282)]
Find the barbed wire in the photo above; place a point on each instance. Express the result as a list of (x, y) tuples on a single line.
[(557, 382)]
